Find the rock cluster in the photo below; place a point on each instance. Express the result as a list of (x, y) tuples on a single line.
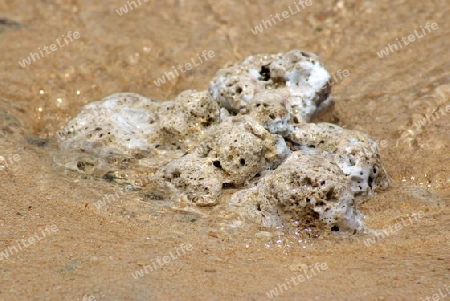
[(251, 131)]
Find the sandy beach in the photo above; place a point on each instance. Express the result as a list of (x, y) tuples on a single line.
[(62, 239)]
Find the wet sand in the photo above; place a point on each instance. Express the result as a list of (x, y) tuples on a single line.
[(93, 253)]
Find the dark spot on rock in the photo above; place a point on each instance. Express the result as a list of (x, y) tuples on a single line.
[(81, 165), (330, 194), (109, 176), (265, 73), (227, 185), (370, 182), (217, 164)]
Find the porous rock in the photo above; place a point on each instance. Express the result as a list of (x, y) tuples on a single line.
[(297, 76), (181, 121), (127, 122), (118, 124), (269, 109), (196, 178), (242, 148), (354, 152), (231, 154), (249, 131), (308, 188)]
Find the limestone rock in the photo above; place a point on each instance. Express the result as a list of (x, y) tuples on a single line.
[(250, 132), (297, 76), (355, 153), (311, 189), (119, 123), (197, 178), (242, 148), (181, 121)]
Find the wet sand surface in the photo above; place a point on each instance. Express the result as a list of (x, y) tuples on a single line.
[(91, 253)]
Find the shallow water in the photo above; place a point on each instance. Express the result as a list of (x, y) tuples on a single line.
[(94, 252)]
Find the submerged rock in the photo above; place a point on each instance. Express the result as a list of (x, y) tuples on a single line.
[(249, 132)]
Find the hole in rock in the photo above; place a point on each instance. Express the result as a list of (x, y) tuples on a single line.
[(265, 73), (109, 176), (227, 185), (335, 228), (307, 181), (370, 182), (217, 164), (330, 195)]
